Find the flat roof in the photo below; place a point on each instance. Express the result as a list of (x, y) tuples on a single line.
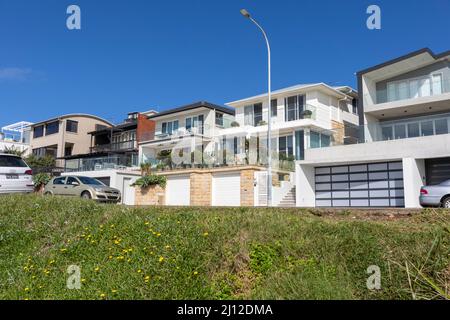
[(200, 104)]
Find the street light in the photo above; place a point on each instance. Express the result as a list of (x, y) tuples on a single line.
[(246, 14)]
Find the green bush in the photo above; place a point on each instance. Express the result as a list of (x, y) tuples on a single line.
[(151, 180), (40, 163)]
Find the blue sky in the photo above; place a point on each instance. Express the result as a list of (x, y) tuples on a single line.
[(138, 55)]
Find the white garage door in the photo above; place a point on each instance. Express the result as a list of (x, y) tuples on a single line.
[(226, 190), (178, 191)]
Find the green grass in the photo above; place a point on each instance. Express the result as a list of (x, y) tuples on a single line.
[(204, 253)]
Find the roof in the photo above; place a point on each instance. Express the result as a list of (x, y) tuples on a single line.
[(405, 57), (200, 104), (70, 116), (290, 89)]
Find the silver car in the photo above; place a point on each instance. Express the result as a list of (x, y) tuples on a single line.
[(84, 187), (436, 196)]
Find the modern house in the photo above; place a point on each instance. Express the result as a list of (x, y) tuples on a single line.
[(404, 114), (16, 136), (113, 149), (64, 135), (188, 128)]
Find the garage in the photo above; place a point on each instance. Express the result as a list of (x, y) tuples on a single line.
[(361, 185), (226, 189), (178, 191), (437, 170)]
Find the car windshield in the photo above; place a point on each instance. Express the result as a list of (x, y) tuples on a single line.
[(446, 183), (90, 181), (11, 161)]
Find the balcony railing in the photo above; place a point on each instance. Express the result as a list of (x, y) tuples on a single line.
[(117, 146), (101, 163), (409, 89), (204, 130)]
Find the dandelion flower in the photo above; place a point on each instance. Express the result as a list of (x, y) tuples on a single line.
[(114, 291), (195, 273), (97, 269), (161, 259), (206, 234), (26, 289), (102, 295)]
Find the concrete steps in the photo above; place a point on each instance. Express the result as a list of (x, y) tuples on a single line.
[(289, 201)]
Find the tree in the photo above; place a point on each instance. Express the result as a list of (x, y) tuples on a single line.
[(14, 151)]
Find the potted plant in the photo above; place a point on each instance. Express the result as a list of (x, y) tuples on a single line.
[(262, 123), (235, 124), (306, 114)]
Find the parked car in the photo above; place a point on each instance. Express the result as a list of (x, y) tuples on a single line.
[(15, 175), (436, 196), (84, 187)]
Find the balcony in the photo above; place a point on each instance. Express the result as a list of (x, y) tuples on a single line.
[(117, 146), (412, 97), (119, 162), (202, 132)]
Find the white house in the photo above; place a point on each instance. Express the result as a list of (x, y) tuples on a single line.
[(404, 143), (16, 136)]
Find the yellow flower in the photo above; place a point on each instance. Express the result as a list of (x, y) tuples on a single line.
[(97, 269), (114, 291), (161, 259), (167, 247), (83, 280), (52, 262), (158, 234), (63, 250), (147, 223), (206, 234), (195, 273), (26, 289), (110, 257), (102, 295)]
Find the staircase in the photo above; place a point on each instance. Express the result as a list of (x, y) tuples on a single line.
[(289, 199)]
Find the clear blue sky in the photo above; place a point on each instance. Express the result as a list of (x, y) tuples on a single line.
[(137, 55)]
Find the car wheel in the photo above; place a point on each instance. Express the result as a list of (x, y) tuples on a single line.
[(86, 195), (446, 203)]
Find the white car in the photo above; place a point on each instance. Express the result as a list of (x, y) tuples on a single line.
[(15, 175)]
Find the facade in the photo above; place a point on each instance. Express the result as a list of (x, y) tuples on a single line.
[(188, 129), (64, 136), (404, 142), (303, 117), (16, 136)]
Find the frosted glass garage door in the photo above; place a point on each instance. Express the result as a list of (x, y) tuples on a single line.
[(361, 185)]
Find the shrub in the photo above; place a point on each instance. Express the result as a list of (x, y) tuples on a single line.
[(14, 151), (151, 180), (40, 180), (235, 124), (40, 164)]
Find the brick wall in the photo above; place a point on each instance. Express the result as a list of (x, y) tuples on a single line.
[(145, 128), (152, 196), (201, 184), (247, 188)]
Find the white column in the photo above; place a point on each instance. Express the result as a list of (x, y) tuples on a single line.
[(413, 179), (305, 183)]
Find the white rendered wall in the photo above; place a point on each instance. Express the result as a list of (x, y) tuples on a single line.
[(305, 186), (413, 179)]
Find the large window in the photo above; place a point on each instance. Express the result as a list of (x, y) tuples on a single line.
[(299, 145), (72, 126), (319, 140), (415, 88), (294, 107), (219, 119), (253, 115), (285, 147), (52, 128), (355, 106), (169, 127), (415, 128), (195, 122), (38, 131)]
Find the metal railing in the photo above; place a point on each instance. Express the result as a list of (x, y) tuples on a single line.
[(101, 163), (204, 130), (116, 146)]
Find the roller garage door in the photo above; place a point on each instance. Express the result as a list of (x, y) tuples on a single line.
[(437, 170), (226, 190), (178, 191), (361, 185)]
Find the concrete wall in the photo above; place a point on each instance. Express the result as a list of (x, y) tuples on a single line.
[(414, 178)]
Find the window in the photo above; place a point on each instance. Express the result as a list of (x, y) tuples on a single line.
[(51, 128), (294, 107), (195, 122), (400, 131), (59, 181), (441, 126), (72, 126), (91, 181), (68, 151), (38, 131), (11, 162), (285, 147), (219, 119), (387, 133), (71, 180), (257, 108), (427, 128), (319, 140), (413, 130), (355, 106), (169, 127), (274, 108), (300, 145), (248, 116), (415, 88)]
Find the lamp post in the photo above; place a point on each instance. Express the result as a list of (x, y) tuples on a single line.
[(246, 14)]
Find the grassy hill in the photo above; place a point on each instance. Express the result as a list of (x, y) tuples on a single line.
[(204, 253)]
